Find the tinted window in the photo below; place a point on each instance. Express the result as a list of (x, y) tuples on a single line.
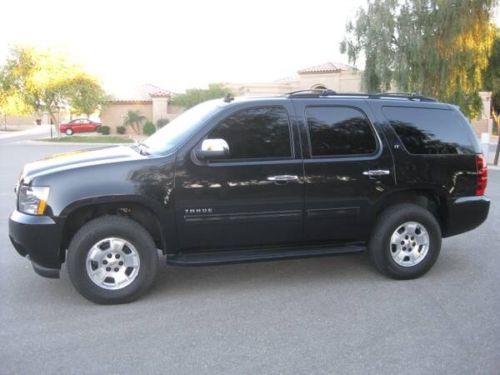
[(182, 128), (430, 131), (339, 131), (256, 133)]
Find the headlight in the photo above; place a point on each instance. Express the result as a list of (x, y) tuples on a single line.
[(32, 199)]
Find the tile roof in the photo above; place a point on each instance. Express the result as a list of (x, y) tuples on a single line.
[(328, 67), (140, 93)]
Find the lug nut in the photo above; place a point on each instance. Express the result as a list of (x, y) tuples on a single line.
[(117, 256), (109, 255), (120, 263), (117, 269), (108, 269), (104, 261)]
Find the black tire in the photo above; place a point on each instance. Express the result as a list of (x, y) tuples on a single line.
[(69, 132), (102, 228), (379, 247)]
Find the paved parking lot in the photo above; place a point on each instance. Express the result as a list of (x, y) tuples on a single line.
[(313, 316)]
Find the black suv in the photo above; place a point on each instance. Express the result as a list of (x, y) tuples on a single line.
[(236, 180)]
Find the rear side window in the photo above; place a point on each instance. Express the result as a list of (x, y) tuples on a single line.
[(336, 131), (256, 133), (430, 130)]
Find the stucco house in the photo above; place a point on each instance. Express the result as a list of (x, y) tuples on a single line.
[(154, 102), (335, 76), (151, 101)]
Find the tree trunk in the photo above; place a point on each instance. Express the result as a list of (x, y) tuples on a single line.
[(54, 121), (496, 118), (137, 128)]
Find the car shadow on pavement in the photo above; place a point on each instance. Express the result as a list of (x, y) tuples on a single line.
[(173, 280)]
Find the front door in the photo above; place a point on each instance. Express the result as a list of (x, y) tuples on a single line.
[(348, 168), (254, 196)]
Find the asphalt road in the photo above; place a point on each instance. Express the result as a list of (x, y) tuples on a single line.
[(313, 316)]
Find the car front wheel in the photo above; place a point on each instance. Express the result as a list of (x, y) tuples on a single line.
[(405, 242), (112, 259), (69, 131)]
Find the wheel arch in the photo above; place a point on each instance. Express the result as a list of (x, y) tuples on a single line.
[(430, 199), (79, 213)]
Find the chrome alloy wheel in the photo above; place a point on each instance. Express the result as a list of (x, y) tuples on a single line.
[(113, 263), (409, 244)]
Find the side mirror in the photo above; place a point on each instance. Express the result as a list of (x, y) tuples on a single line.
[(212, 149)]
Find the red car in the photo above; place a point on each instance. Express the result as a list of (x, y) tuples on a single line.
[(79, 125)]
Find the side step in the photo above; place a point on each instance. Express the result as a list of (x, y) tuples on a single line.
[(259, 255)]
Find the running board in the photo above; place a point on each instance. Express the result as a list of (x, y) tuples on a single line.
[(258, 255)]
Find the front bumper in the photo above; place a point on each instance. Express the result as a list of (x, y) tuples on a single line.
[(39, 239), (465, 214)]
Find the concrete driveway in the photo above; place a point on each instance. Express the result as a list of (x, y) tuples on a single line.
[(316, 316)]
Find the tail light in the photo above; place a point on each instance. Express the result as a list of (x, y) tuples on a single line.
[(482, 175)]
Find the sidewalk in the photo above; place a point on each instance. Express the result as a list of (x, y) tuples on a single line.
[(34, 130)]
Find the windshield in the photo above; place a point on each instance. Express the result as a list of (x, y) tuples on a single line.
[(181, 128)]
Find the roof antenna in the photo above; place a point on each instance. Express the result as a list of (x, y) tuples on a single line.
[(228, 98)]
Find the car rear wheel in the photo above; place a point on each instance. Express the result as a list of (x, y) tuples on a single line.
[(405, 242), (69, 132), (112, 259)]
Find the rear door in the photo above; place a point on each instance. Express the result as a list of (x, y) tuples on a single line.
[(87, 126), (77, 126), (348, 168)]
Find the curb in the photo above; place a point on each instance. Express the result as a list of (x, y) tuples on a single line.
[(48, 143)]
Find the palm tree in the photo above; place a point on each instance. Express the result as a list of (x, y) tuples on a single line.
[(134, 119)]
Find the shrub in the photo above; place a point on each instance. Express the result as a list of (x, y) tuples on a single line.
[(134, 119), (121, 129), (149, 128), (162, 122), (104, 130)]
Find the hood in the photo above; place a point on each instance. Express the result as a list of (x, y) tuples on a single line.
[(79, 159)]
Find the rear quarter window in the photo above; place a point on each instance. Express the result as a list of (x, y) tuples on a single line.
[(431, 130)]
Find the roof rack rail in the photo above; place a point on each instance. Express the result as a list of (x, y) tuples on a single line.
[(316, 93), (311, 93), (410, 96)]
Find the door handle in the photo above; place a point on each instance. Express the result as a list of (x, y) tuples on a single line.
[(377, 172), (283, 178)]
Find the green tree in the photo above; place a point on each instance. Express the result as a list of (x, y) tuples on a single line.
[(11, 102), (492, 74), (134, 119), (193, 97), (85, 94), (41, 81), (434, 47)]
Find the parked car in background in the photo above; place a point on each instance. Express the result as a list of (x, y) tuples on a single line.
[(79, 125)]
